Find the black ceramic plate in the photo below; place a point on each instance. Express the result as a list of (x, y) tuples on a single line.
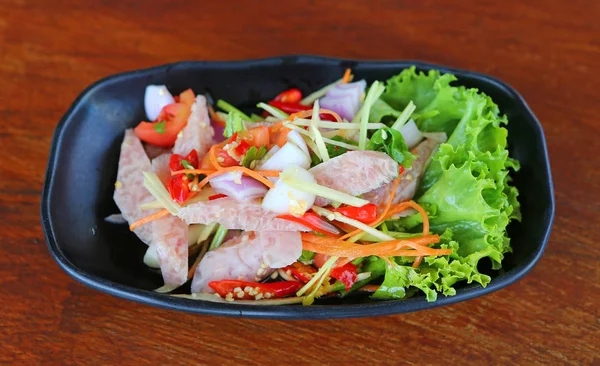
[(83, 160)]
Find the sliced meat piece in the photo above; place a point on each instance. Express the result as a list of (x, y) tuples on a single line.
[(198, 132), (232, 214), (170, 236), (355, 172), (155, 151), (249, 257), (160, 167), (410, 178), (129, 187)]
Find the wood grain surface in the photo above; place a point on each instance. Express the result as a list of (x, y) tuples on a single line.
[(50, 50)]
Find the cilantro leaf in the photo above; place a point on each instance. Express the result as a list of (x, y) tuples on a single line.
[(159, 127)]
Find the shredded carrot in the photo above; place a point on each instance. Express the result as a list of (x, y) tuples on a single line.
[(417, 262), (308, 113), (193, 171), (148, 219), (213, 158), (370, 288), (407, 247), (244, 170), (264, 173), (347, 76)]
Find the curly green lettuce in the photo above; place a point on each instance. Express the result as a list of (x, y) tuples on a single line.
[(466, 189)]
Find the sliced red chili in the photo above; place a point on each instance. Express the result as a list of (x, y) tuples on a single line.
[(365, 214), (301, 271), (244, 290), (345, 274), (242, 148), (191, 158), (178, 187), (293, 95), (314, 222), (216, 196), (290, 108)]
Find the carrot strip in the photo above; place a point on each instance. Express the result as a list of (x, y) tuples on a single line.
[(244, 170), (148, 219), (213, 158), (193, 171), (308, 113), (264, 173), (417, 262), (340, 248), (370, 288), (347, 75)]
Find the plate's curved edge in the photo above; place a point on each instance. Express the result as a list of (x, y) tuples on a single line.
[(274, 312)]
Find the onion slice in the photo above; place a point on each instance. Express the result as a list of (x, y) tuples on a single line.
[(412, 135), (238, 187), (156, 98)]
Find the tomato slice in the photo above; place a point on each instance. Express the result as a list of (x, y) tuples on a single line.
[(187, 97), (278, 134), (172, 119), (293, 95), (258, 136), (163, 132)]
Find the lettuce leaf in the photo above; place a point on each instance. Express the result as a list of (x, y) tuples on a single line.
[(466, 189)]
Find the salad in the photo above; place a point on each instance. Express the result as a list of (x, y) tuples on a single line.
[(391, 189)]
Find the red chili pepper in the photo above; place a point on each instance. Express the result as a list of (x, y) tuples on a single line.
[(365, 214), (314, 222), (293, 95), (233, 137), (300, 271), (242, 148), (175, 160), (178, 187), (290, 108), (244, 290), (216, 196), (345, 274)]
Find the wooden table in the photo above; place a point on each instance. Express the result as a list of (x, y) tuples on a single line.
[(548, 50)]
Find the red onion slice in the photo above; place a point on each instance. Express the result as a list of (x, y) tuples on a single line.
[(238, 187)]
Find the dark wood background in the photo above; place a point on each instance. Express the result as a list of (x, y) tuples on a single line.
[(50, 50)]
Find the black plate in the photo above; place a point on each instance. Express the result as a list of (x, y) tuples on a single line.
[(83, 160)]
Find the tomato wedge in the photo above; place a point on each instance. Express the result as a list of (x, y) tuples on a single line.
[(172, 119)]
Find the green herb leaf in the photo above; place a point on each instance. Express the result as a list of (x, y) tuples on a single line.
[(253, 154), (233, 124), (159, 127), (306, 256), (391, 142), (186, 164)]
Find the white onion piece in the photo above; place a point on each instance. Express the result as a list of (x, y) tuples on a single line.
[(344, 99), (151, 257), (345, 105), (115, 219), (229, 176), (243, 190), (295, 138), (284, 199), (355, 89), (288, 154), (412, 135), (155, 98)]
